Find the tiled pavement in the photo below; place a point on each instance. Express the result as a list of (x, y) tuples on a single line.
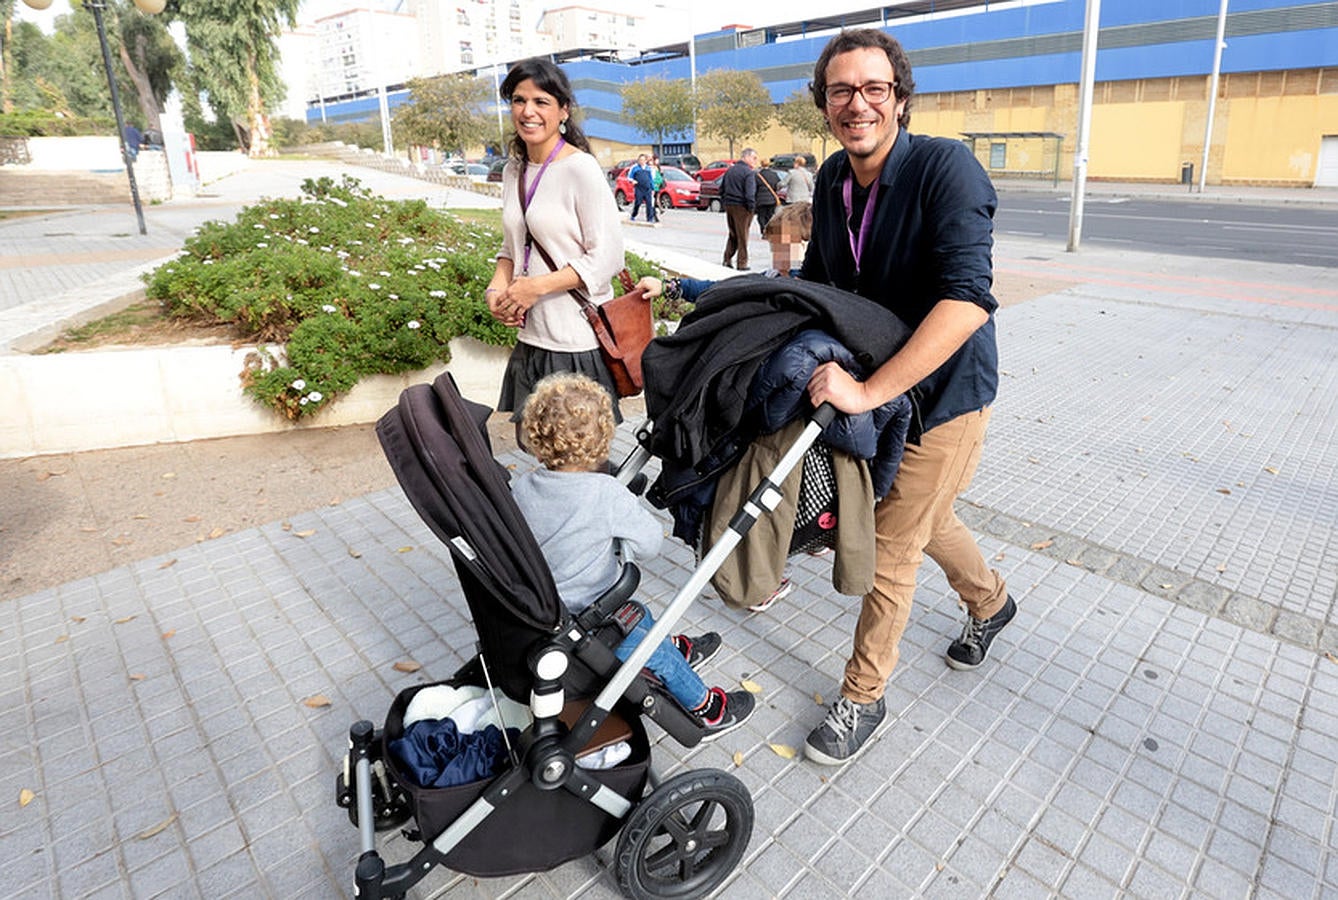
[(1158, 487)]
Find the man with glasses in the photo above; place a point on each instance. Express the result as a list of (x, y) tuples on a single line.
[(906, 221)]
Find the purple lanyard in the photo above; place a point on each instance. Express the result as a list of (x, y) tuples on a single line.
[(529, 196), (857, 244)]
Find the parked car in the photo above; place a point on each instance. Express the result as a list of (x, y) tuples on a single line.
[(685, 161), (477, 171), (679, 191), (714, 170), (495, 169), (785, 161), (612, 174)]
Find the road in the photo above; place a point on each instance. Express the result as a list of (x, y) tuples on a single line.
[(1277, 234)]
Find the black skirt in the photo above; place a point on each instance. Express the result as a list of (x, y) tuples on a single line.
[(529, 364)]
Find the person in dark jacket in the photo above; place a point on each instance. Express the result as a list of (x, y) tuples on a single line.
[(906, 221), (768, 195), (643, 187), (738, 193)]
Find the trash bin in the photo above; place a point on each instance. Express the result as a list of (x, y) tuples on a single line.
[(1187, 173)]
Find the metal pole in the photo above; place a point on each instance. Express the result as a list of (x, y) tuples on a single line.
[(97, 6), (1212, 91), (387, 146), (1091, 26)]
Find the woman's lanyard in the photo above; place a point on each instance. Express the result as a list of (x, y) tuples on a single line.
[(527, 195), (866, 220)]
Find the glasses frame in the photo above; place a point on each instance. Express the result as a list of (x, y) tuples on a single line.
[(859, 89)]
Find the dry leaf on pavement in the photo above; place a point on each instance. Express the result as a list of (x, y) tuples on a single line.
[(168, 564), (305, 534), (150, 832), (123, 620), (407, 666), (1041, 545), (817, 698), (354, 553), (782, 750), (216, 533), (751, 687), (738, 759), (316, 701), (404, 550), (25, 797)]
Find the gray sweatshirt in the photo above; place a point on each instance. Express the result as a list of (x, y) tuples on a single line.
[(575, 516)]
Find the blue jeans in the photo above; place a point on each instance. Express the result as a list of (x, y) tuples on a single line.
[(641, 195), (668, 665)]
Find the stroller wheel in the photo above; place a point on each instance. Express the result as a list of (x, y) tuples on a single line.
[(686, 837)]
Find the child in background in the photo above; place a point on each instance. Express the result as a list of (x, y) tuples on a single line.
[(576, 512)]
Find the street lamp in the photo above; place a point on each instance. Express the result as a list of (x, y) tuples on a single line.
[(152, 7)]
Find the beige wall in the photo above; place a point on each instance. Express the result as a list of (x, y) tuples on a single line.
[(1136, 141), (1275, 138)]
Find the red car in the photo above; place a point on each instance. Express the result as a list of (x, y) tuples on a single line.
[(714, 170), (680, 189)]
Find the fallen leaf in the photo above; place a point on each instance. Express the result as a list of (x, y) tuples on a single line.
[(1222, 567), (124, 619), (1330, 657), (1033, 460), (287, 526), (169, 634), (817, 698), (88, 529), (79, 619), (1041, 545), (354, 553), (939, 866), (998, 556), (1270, 470), (168, 563), (783, 751), (1166, 587), (191, 519), (25, 797), (738, 759), (121, 541), (407, 666), (138, 676), (335, 501), (51, 473), (150, 832), (751, 687), (169, 474), (404, 550), (62, 639), (304, 534), (1226, 491), (139, 516), (317, 701), (1073, 562), (216, 533)]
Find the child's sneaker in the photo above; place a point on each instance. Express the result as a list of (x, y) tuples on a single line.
[(782, 590), (697, 650), (722, 713)]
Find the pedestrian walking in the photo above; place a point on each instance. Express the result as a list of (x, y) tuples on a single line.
[(738, 194)]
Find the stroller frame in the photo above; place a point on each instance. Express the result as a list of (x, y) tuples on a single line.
[(698, 855)]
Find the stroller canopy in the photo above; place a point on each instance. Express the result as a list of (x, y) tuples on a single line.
[(437, 444)]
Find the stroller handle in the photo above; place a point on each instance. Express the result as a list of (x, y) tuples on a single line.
[(824, 414)]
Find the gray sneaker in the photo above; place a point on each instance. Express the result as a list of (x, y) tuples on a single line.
[(845, 730), (970, 650)]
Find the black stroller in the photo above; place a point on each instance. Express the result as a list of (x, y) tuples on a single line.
[(680, 839)]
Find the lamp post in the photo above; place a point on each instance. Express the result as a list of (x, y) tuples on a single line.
[(152, 7)]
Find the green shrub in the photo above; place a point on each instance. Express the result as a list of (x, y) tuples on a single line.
[(351, 284)]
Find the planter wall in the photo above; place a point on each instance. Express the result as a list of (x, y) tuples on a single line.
[(67, 402)]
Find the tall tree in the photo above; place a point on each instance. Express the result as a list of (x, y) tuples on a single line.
[(234, 57), (6, 54), (447, 112), (659, 106), (151, 59), (801, 116), (733, 106)]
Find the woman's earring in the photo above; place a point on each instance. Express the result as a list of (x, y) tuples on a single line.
[(562, 127)]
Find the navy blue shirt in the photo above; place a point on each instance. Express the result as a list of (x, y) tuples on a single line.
[(930, 239)]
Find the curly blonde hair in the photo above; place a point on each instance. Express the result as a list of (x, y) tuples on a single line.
[(568, 422)]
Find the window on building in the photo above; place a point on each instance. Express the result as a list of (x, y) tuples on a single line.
[(998, 156), (467, 53)]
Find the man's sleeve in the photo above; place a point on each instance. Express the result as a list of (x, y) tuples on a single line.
[(960, 217)]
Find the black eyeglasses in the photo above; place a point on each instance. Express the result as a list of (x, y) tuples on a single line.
[(874, 93)]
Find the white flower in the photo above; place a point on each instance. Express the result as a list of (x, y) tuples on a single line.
[(374, 286), (437, 294), (303, 242), (328, 308), (383, 273), (258, 225), (302, 402), (337, 202), (314, 396), (299, 385), (208, 262), (261, 244), (355, 273), (314, 230), (413, 325), (273, 215), (356, 243), (393, 296), (369, 224)]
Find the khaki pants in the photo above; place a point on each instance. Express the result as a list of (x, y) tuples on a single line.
[(915, 518)]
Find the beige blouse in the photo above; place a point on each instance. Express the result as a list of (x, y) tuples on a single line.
[(574, 217)]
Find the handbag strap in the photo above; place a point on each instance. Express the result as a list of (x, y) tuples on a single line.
[(762, 178)]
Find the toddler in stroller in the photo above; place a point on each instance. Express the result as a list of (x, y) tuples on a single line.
[(578, 513), (539, 806)]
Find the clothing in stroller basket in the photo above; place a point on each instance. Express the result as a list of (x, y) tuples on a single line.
[(540, 809)]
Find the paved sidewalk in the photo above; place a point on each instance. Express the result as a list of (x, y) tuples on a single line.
[(1159, 487)]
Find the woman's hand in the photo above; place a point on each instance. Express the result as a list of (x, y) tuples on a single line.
[(652, 286), (503, 308)]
